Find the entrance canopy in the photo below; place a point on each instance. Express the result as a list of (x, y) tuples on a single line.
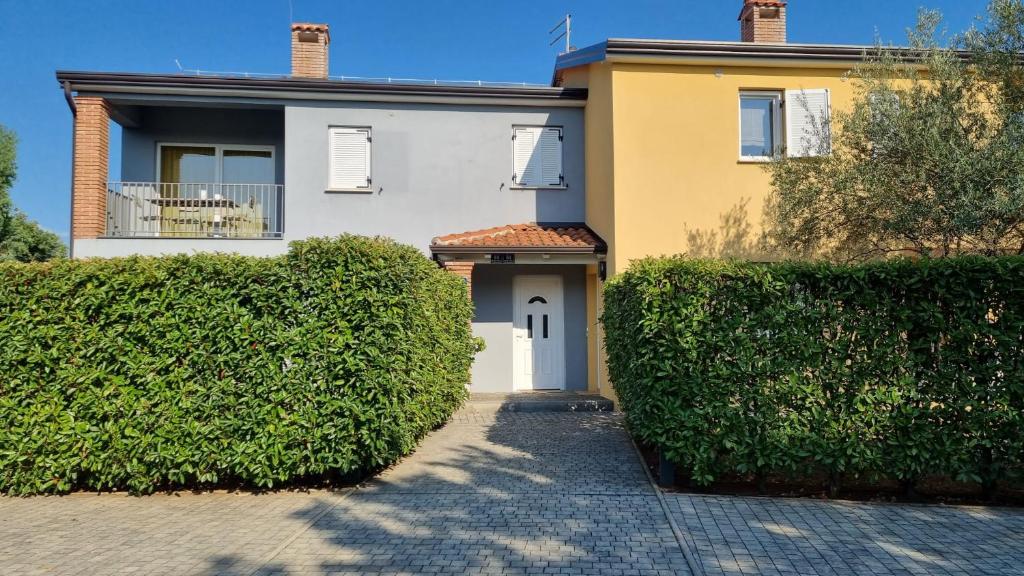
[(531, 242)]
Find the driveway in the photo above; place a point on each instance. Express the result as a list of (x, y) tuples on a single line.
[(490, 493), (501, 493)]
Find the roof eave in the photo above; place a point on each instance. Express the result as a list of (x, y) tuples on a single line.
[(284, 87), (436, 249), (699, 50)]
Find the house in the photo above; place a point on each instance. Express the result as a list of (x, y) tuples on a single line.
[(482, 174), (692, 124), (533, 194)]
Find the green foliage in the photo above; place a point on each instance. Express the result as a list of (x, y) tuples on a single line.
[(8, 172), (29, 242), (927, 159), (20, 238), (900, 368), (185, 371)]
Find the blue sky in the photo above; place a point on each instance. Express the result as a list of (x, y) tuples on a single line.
[(447, 39)]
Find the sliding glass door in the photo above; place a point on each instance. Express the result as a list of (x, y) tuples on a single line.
[(217, 190)]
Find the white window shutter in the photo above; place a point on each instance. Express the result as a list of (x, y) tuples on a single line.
[(537, 156), (808, 112), (526, 164), (551, 156), (882, 106), (349, 158)]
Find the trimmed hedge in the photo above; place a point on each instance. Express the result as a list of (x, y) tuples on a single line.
[(900, 369), (191, 371)]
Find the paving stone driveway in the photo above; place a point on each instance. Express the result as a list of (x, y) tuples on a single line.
[(491, 493), (501, 493)]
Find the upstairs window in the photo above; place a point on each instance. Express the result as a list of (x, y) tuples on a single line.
[(537, 157), (349, 158), (794, 122), (215, 164), (760, 133)]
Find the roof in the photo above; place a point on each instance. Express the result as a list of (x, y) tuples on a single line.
[(765, 3), (312, 27), (530, 237), (309, 27), (287, 87), (624, 47)]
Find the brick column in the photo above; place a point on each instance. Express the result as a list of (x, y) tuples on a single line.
[(92, 156), (465, 270)]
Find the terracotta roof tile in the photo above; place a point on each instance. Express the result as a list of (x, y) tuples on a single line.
[(309, 27), (574, 237)]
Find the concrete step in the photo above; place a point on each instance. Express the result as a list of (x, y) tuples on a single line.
[(544, 402)]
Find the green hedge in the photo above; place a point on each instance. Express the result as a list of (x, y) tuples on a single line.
[(212, 370), (901, 369)]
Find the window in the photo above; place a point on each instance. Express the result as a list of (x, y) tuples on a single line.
[(208, 191), (349, 159), (799, 118), (215, 164), (537, 157), (247, 166), (760, 136)]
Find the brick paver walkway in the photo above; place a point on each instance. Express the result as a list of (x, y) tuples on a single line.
[(777, 537), (491, 493), (501, 493)]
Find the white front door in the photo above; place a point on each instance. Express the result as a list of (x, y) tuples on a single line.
[(538, 340)]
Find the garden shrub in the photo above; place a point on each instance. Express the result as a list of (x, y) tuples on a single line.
[(902, 369), (147, 373)]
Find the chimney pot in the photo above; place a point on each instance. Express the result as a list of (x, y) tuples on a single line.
[(763, 21), (310, 43)]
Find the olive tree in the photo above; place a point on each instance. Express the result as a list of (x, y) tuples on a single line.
[(929, 159)]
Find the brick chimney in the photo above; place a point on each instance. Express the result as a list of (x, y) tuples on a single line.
[(763, 21), (309, 50)]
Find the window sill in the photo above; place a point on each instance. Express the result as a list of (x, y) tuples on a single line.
[(752, 160), (349, 191), (563, 187)]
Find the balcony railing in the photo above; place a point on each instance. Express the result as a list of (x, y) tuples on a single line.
[(187, 210)]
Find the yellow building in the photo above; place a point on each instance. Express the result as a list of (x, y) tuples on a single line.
[(678, 134)]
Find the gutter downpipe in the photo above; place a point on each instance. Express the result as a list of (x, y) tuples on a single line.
[(74, 119)]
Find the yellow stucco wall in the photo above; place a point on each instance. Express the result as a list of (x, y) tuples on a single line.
[(599, 155), (663, 168), (678, 183)]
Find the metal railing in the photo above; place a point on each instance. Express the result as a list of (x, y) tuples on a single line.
[(194, 210)]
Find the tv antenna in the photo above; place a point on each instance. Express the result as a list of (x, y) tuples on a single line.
[(565, 25)]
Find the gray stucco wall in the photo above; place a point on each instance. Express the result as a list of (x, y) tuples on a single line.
[(435, 169), (492, 296), (197, 126)]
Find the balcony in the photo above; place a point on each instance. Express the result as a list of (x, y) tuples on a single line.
[(194, 210)]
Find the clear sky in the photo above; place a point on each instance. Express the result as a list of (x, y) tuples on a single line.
[(503, 40)]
